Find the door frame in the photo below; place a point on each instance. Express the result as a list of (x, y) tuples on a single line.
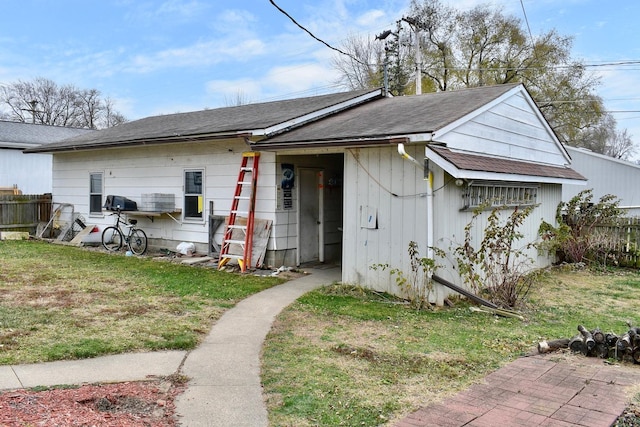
[(319, 182)]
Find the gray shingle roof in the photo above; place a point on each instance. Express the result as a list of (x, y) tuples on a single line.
[(474, 162), (24, 135), (398, 116), (229, 121)]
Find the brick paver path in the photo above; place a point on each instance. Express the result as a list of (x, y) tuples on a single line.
[(537, 391)]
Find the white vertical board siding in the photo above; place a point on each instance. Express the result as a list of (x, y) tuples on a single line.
[(30, 172), (450, 222), (510, 129), (605, 175), (380, 181), (134, 171)]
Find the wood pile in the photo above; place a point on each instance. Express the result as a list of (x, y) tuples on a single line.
[(595, 343)]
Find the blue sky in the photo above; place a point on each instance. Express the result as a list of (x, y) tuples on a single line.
[(165, 56)]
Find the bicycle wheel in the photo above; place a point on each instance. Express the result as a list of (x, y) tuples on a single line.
[(138, 241), (112, 239)]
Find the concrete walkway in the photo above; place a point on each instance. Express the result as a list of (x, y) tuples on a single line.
[(225, 389), (224, 371)]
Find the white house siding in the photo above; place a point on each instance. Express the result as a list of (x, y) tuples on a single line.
[(605, 175), (378, 181), (134, 171), (509, 129), (30, 172), (450, 222)]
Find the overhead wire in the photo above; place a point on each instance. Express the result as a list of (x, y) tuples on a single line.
[(313, 35), (333, 86)]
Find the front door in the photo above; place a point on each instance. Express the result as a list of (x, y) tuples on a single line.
[(310, 226)]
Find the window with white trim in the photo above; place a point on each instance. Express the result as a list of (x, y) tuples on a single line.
[(497, 194), (193, 194), (95, 193)]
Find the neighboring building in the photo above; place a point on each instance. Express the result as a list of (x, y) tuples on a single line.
[(606, 175), (357, 197), (29, 173)]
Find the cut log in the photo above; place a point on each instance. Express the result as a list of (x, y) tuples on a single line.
[(589, 342), (624, 343), (601, 350), (598, 336), (611, 339), (576, 344), (549, 346), (636, 355)]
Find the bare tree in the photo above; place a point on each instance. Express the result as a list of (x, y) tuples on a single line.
[(239, 98), (483, 46), (43, 101), (364, 68), (606, 139)]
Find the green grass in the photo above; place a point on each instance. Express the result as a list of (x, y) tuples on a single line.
[(342, 356), (60, 302)]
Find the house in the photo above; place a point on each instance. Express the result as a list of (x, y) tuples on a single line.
[(605, 175), (32, 173), (349, 178)]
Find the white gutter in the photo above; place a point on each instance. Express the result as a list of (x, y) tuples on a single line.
[(429, 180)]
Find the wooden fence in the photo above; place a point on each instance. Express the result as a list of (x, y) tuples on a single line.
[(619, 241), (24, 212)]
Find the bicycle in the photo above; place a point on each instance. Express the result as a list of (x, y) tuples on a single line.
[(113, 237)]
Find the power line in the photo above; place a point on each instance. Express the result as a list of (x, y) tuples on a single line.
[(526, 20), (316, 38)]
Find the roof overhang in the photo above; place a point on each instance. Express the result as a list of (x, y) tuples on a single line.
[(142, 142), (469, 166), (17, 145), (332, 143)]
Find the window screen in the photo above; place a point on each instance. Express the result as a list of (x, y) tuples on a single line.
[(95, 193), (193, 195)]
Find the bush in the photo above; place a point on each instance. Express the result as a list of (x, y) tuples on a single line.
[(496, 267), (417, 284), (575, 238)]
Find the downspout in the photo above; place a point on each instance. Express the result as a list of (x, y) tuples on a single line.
[(429, 179)]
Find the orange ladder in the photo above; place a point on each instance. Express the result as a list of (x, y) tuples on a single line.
[(245, 192)]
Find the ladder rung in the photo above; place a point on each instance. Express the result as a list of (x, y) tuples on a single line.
[(247, 169), (244, 182), (230, 256), (237, 227), (234, 242), (240, 212), (242, 197)]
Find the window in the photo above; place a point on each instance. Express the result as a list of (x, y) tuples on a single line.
[(496, 194), (95, 193), (193, 195)]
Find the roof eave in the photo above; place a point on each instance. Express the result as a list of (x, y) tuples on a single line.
[(468, 174), (141, 142), (332, 143)]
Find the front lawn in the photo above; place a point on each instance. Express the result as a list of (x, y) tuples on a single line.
[(342, 356), (60, 302)]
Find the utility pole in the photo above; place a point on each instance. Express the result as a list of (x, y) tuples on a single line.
[(32, 110), (383, 36), (415, 26)]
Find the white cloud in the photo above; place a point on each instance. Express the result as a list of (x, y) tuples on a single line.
[(200, 54), (370, 18), (187, 9), (229, 89), (279, 82)]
